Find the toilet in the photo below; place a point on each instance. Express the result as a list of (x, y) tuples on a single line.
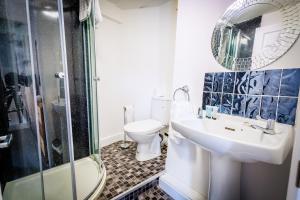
[(146, 132)]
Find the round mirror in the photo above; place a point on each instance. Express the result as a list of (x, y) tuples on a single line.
[(254, 33)]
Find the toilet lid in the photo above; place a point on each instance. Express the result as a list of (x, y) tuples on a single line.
[(143, 127)]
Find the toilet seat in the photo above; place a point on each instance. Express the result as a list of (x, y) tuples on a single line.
[(148, 126)]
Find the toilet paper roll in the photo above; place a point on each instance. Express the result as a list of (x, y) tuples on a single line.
[(128, 114)]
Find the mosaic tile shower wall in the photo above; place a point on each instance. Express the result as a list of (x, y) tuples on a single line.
[(271, 94)]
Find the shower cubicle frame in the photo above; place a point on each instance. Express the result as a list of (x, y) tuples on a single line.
[(101, 183), (67, 96)]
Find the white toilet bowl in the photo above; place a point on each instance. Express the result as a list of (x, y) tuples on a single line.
[(146, 134)]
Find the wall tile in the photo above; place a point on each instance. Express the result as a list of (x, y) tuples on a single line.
[(229, 78), (256, 81), (208, 80), (290, 82), (272, 82), (241, 83), (252, 106), (218, 82), (206, 99), (268, 107), (226, 103), (272, 94), (287, 110), (238, 106), (215, 99)]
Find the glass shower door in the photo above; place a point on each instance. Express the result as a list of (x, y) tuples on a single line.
[(19, 141), (36, 153), (52, 99), (48, 102)]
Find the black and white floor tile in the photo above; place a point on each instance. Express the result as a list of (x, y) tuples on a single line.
[(124, 171)]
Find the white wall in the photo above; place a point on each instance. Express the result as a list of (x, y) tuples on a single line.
[(193, 58), (134, 61)]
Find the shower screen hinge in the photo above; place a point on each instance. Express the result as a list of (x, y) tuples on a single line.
[(96, 78)]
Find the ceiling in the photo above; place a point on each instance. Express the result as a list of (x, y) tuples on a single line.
[(134, 4)]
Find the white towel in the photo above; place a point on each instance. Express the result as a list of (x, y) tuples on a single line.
[(128, 114), (181, 110), (98, 14), (85, 7)]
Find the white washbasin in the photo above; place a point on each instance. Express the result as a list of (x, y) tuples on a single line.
[(243, 143)]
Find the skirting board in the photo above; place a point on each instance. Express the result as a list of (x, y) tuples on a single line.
[(112, 139), (177, 190)]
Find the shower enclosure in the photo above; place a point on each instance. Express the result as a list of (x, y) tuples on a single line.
[(49, 143)]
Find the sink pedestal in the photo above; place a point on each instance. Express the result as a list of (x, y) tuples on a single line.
[(225, 178)]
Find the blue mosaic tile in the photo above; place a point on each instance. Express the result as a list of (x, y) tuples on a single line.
[(215, 99), (238, 106), (290, 82), (268, 107), (252, 106), (241, 83), (229, 79), (272, 82), (256, 81), (226, 104), (206, 99), (218, 82), (287, 110), (208, 80)]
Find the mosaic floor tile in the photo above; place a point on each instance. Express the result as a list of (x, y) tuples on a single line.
[(154, 193), (124, 171)]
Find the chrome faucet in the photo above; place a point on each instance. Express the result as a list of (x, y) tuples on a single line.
[(270, 124), (200, 113), (269, 128)]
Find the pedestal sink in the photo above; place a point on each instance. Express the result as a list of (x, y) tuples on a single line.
[(231, 140)]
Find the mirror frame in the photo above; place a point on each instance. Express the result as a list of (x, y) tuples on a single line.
[(288, 35)]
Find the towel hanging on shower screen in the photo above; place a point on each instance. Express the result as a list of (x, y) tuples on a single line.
[(85, 8)]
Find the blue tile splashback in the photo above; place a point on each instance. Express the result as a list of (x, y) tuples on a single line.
[(268, 107), (256, 82), (238, 105), (208, 81), (229, 79), (272, 82), (271, 94), (218, 82), (241, 83), (290, 82)]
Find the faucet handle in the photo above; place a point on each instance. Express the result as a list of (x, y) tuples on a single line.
[(200, 113), (270, 124)]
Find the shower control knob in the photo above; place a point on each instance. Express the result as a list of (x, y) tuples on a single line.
[(60, 75)]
